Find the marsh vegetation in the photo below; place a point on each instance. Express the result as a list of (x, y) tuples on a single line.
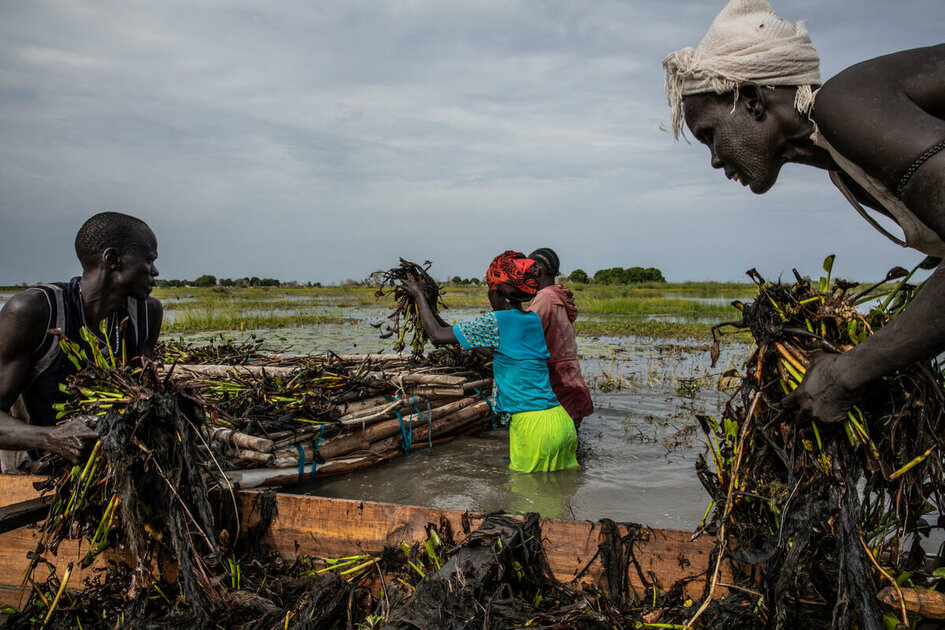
[(658, 310)]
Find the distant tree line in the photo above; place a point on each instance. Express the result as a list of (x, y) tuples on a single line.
[(619, 275), (207, 280), (465, 281)]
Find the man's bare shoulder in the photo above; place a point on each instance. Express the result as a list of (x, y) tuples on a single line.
[(919, 72), (154, 305), (24, 320), (26, 304), (883, 113)]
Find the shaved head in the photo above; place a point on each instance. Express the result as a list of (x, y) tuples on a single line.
[(104, 230)]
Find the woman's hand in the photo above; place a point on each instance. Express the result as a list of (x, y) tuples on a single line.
[(412, 285)]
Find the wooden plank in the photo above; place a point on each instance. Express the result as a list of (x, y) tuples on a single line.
[(336, 527), (324, 527), (201, 371), (23, 513), (929, 604)]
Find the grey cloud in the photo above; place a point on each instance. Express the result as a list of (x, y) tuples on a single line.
[(321, 140)]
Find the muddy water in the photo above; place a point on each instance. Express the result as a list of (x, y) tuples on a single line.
[(637, 451)]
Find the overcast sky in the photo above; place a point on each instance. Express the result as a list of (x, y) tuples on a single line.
[(319, 141)]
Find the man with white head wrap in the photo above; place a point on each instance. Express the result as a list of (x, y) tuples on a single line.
[(746, 42), (749, 93)]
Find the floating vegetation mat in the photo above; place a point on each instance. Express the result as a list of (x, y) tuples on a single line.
[(828, 515)]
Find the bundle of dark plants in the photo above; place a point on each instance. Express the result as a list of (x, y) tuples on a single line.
[(827, 514), (405, 317)]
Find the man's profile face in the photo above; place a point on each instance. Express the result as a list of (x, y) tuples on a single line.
[(137, 273), (740, 144)]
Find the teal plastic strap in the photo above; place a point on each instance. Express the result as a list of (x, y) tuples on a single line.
[(491, 410), (406, 436), (429, 420), (318, 438), (301, 452)]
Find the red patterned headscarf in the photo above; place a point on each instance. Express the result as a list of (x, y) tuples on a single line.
[(513, 269)]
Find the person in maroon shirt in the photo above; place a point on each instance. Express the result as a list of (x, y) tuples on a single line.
[(555, 306)]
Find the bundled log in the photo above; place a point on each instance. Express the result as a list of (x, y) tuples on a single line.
[(331, 413)]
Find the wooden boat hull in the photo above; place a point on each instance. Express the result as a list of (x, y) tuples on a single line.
[(323, 527)]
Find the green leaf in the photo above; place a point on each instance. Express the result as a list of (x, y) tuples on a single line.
[(828, 263), (939, 572)]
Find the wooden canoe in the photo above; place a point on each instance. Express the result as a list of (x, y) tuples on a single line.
[(323, 527)]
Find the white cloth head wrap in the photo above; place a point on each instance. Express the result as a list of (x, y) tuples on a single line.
[(746, 42)]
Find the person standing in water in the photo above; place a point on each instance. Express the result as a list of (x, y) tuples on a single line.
[(557, 310), (541, 433)]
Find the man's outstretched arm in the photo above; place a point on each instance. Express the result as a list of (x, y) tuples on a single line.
[(884, 115), (835, 380), (23, 322)]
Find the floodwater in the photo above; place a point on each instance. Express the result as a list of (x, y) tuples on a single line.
[(637, 453)]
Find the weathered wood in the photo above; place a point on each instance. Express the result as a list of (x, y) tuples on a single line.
[(242, 440), (247, 455), (391, 410), (448, 417), (385, 410), (483, 385), (323, 527), (415, 378), (929, 604), (369, 455), (361, 406), (333, 527), (17, 543), (23, 513), (373, 357), (435, 390), (222, 371)]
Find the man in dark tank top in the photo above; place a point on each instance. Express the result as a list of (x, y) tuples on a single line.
[(117, 253)]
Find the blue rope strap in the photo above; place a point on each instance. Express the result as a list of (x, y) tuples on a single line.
[(301, 452), (429, 420), (492, 423), (406, 436), (318, 438)]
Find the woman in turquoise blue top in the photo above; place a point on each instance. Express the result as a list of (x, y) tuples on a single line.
[(541, 433)]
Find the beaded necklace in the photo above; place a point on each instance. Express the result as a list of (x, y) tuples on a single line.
[(112, 328)]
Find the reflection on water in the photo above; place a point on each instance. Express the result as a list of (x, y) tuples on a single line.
[(638, 450), (637, 453)]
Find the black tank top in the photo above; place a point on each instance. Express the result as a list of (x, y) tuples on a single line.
[(50, 366)]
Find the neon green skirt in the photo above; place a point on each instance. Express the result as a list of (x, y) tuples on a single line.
[(542, 440)]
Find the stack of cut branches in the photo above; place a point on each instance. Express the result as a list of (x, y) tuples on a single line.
[(226, 351), (309, 416), (283, 419), (828, 514)]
